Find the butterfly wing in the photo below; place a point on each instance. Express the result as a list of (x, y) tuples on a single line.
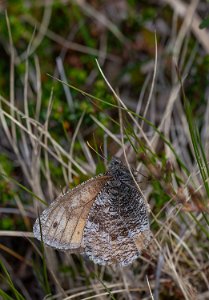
[(118, 226), (63, 222)]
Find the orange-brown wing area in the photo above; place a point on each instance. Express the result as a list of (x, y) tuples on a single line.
[(63, 222)]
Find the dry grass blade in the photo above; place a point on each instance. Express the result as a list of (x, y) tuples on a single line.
[(68, 44), (108, 132), (44, 133), (16, 233), (124, 106), (181, 9)]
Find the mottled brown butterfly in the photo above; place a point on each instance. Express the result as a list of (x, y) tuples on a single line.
[(105, 218)]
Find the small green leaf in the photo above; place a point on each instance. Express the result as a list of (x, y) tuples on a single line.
[(204, 23)]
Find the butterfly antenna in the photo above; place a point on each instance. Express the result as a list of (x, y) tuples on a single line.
[(103, 157), (138, 172)]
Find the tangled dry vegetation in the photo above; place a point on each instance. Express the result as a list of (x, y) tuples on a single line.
[(162, 134)]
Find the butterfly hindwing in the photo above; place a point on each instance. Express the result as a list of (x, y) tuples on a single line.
[(117, 222)]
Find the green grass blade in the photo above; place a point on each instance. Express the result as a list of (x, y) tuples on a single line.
[(5, 296), (22, 187), (45, 275), (18, 296), (196, 142), (202, 227), (105, 287)]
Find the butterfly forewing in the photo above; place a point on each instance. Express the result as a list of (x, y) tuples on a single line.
[(63, 222)]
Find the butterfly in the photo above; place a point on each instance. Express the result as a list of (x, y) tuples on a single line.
[(105, 218)]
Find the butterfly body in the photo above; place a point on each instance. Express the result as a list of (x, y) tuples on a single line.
[(106, 218)]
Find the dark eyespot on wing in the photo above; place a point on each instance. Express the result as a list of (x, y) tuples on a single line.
[(55, 224)]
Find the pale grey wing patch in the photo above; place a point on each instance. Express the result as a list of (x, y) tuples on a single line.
[(114, 231), (57, 227), (62, 223)]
